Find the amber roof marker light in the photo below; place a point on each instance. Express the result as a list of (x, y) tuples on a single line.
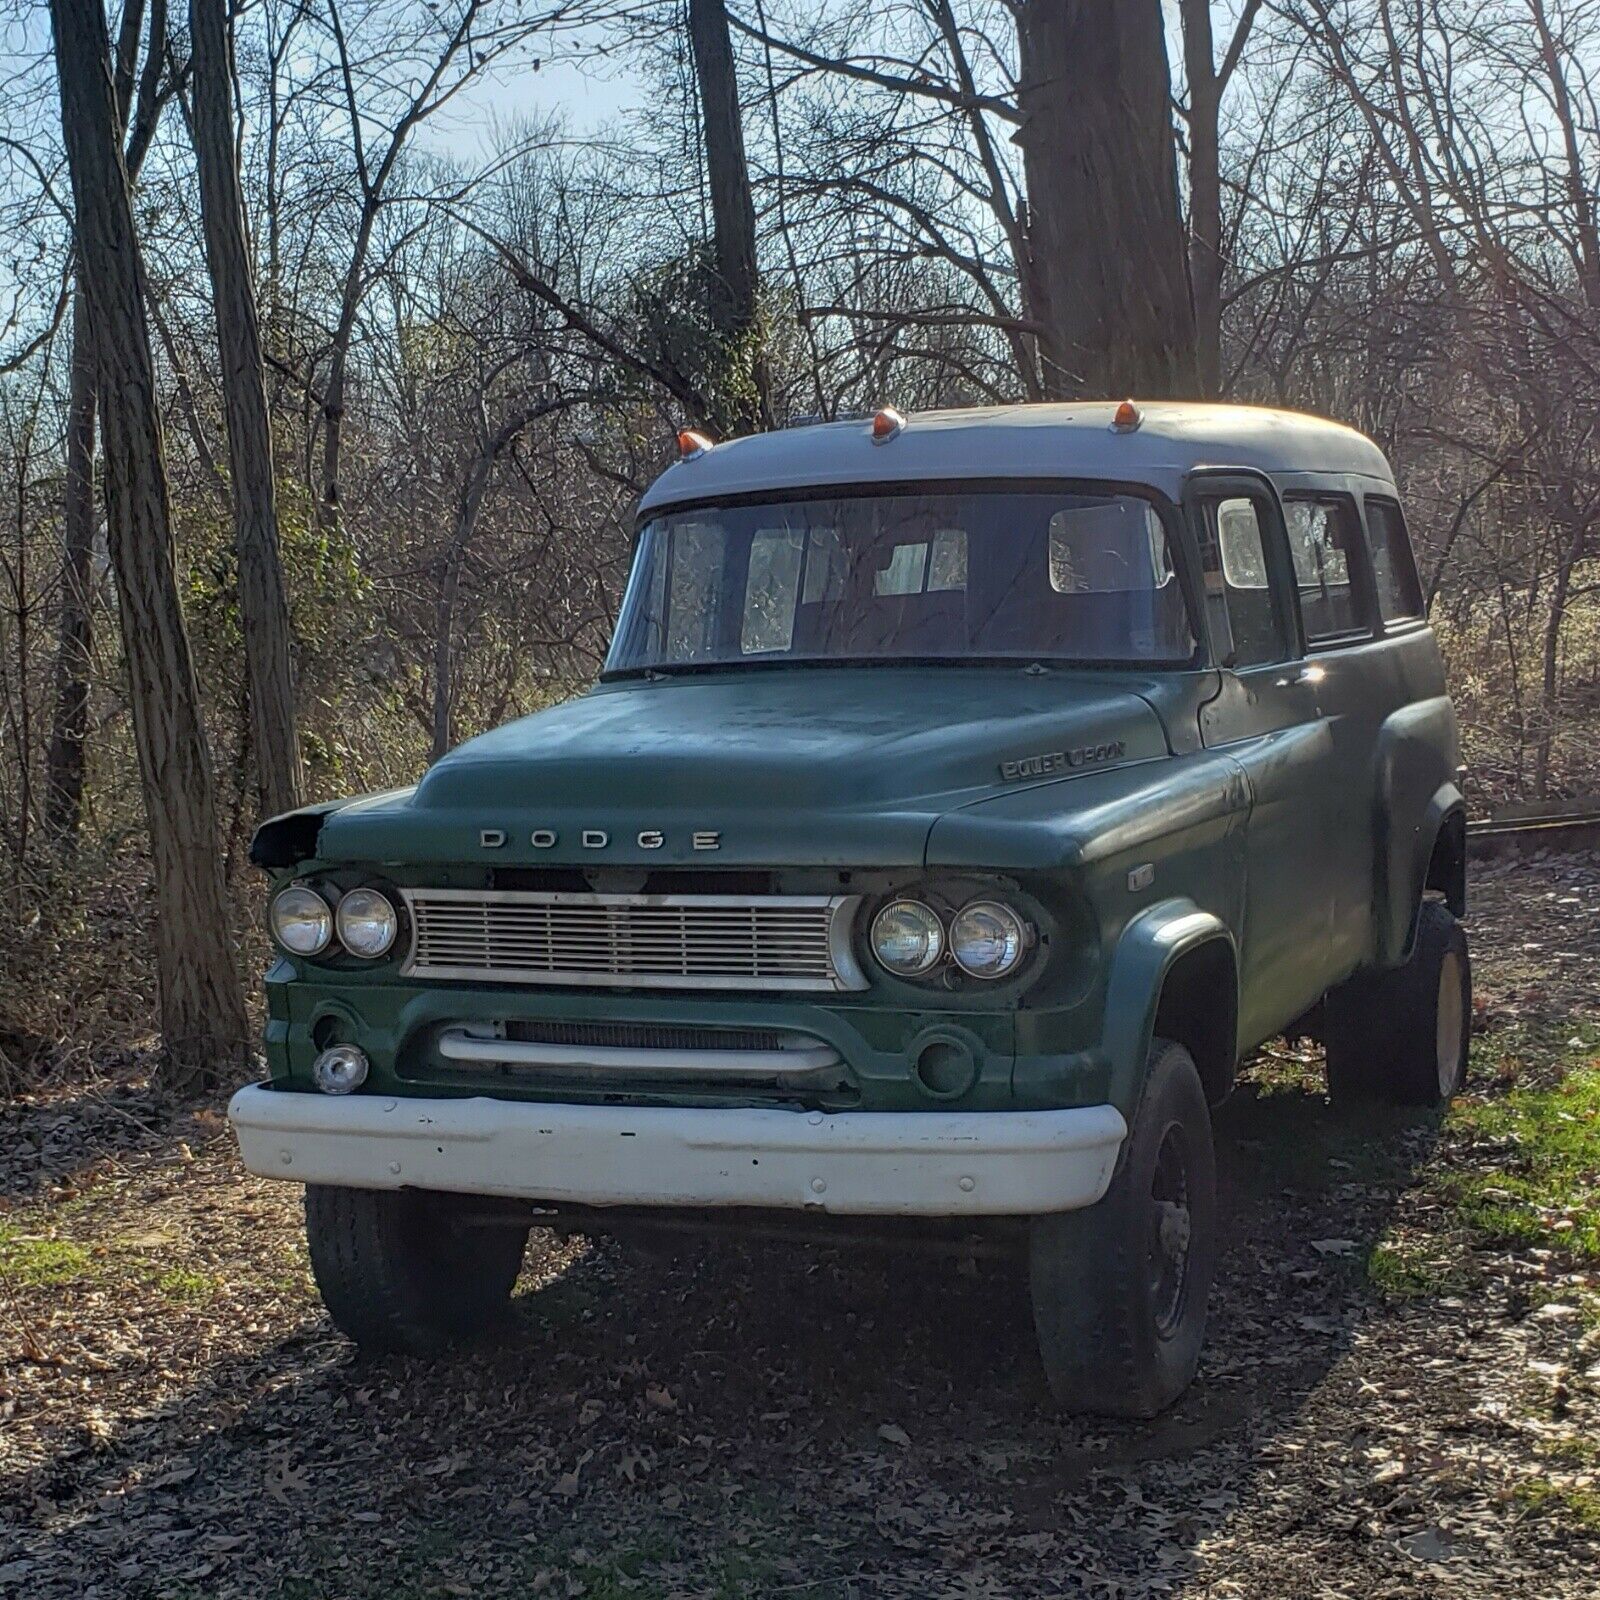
[(886, 423), (1126, 418), (692, 444)]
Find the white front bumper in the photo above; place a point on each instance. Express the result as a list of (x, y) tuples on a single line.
[(899, 1163)]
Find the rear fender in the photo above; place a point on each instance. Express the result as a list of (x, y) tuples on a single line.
[(1416, 799)]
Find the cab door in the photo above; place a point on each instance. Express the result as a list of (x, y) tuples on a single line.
[(1266, 717)]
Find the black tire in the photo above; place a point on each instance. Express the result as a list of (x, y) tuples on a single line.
[(398, 1272), (1401, 1037), (1119, 1299)]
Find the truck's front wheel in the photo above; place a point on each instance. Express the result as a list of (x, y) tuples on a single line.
[(1120, 1289), (405, 1270)]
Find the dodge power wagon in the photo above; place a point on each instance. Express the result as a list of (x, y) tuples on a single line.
[(963, 796)]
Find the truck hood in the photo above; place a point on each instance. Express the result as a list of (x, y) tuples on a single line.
[(844, 767)]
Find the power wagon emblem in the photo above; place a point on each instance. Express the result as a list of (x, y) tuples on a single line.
[(1086, 755)]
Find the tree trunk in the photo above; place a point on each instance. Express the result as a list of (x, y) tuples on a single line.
[(1205, 192), (263, 605), (1106, 235), (202, 1005), (1550, 660), (70, 723), (735, 291)]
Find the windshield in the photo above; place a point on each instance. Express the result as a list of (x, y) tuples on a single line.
[(1054, 574)]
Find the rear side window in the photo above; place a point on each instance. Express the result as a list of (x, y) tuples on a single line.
[(1324, 541), (1394, 569)]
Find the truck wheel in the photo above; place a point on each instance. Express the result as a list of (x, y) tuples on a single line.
[(1402, 1036), (398, 1272), (1120, 1288)]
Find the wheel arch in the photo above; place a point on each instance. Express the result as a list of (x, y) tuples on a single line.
[(1418, 804), (1439, 864), (1447, 863), (1174, 975)]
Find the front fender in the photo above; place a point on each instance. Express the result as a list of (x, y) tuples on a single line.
[(1151, 945)]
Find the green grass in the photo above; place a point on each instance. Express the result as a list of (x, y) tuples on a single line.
[(1573, 1451), (1403, 1271), (1543, 1187), (41, 1263), (184, 1283), (31, 1261), (1541, 1498)]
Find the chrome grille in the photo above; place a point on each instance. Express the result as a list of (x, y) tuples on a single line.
[(648, 941)]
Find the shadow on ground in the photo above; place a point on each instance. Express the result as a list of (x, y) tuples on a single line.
[(739, 1419)]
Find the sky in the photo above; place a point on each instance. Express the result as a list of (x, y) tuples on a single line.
[(586, 94)]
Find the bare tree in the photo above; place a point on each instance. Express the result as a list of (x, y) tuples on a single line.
[(1208, 79), (64, 772), (75, 647), (735, 289), (1106, 240), (202, 1006), (263, 604)]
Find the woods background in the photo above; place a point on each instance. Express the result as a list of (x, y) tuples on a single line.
[(417, 340)]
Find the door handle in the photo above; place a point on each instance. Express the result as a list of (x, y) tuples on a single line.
[(1307, 674)]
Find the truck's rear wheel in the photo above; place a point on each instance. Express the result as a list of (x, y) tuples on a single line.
[(1120, 1289), (400, 1271), (1402, 1036)]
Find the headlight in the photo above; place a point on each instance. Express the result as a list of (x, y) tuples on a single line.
[(367, 923), (907, 938), (301, 920), (987, 939)]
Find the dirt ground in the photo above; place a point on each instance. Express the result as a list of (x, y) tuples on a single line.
[(1392, 1403)]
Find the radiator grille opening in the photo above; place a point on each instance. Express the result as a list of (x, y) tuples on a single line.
[(663, 941)]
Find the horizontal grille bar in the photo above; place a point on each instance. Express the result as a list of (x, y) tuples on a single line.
[(659, 941), (793, 1061)]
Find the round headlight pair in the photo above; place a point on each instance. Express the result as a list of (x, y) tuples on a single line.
[(986, 939), (305, 924)]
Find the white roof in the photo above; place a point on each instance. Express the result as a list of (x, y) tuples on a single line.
[(1035, 441)]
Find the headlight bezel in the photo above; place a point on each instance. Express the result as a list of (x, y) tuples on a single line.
[(342, 913), (946, 902), (275, 925)]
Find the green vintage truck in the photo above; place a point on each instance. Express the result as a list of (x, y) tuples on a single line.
[(963, 796)]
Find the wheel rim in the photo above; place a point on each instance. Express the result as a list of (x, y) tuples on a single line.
[(1171, 1229), (1450, 1025)]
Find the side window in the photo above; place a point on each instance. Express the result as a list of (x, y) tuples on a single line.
[(1324, 538), (1116, 546), (1394, 568), (904, 572), (925, 568), (693, 578), (1234, 567), (947, 560), (771, 590)]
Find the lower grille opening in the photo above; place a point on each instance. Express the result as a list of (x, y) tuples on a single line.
[(643, 1036)]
